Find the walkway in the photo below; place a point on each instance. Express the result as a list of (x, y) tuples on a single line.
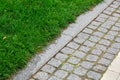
[(90, 53)]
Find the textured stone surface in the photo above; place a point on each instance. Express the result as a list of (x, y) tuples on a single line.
[(48, 68), (73, 77), (87, 64), (68, 67), (94, 75), (92, 58), (80, 71), (61, 74)]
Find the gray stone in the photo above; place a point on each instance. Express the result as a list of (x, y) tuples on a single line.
[(102, 30), (73, 45), (87, 64), (54, 62), (80, 71), (83, 35), (92, 27), (41, 76), (109, 56), (104, 62), (109, 37), (95, 23), (99, 34), (48, 68), (99, 68), (94, 38), (117, 24), (79, 54), (61, 74), (79, 40), (116, 45), (99, 19), (84, 48), (117, 39), (112, 50), (114, 33), (89, 44), (107, 12), (54, 78), (73, 60), (68, 67), (103, 15), (97, 52), (110, 9), (73, 77), (94, 75), (86, 30), (92, 58), (61, 56), (116, 15), (105, 42), (67, 50), (113, 19), (101, 47)]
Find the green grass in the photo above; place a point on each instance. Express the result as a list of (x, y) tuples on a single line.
[(27, 26)]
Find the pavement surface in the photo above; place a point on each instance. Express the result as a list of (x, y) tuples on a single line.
[(88, 55)]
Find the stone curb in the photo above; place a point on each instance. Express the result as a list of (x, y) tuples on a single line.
[(67, 35)]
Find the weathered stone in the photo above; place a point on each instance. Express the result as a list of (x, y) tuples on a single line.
[(79, 54), (109, 37), (68, 67), (80, 71), (67, 50), (99, 34), (73, 45), (41, 76), (109, 56), (84, 48), (73, 77), (99, 68), (94, 75), (86, 30), (104, 62), (87, 64), (105, 42), (48, 68), (92, 58), (54, 62), (61, 56), (73, 60), (54, 78), (61, 74), (97, 52)]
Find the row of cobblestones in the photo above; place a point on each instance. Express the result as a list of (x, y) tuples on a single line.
[(90, 53)]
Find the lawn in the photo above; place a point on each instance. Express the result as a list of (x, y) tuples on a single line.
[(27, 26)]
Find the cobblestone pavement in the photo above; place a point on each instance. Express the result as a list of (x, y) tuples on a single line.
[(90, 53)]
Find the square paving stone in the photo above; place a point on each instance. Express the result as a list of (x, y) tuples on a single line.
[(96, 52), (54, 78), (99, 68), (48, 68), (104, 62), (109, 56), (54, 62), (94, 38), (99, 34), (84, 48), (41, 76), (80, 71), (89, 43), (67, 50), (73, 77), (79, 54), (73, 60), (61, 56), (105, 42), (109, 37), (92, 58), (94, 75), (83, 35), (112, 50), (87, 64), (79, 40), (68, 67), (73, 45), (61, 73), (86, 30)]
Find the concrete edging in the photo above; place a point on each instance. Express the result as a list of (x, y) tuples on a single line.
[(67, 35)]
